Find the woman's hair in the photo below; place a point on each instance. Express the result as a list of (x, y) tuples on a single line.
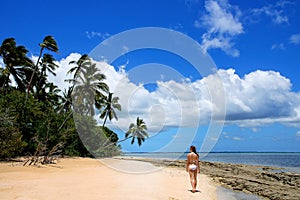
[(193, 148)]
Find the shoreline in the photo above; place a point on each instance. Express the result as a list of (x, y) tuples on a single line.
[(95, 176), (263, 181), (87, 178)]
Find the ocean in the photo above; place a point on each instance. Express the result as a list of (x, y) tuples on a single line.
[(288, 161)]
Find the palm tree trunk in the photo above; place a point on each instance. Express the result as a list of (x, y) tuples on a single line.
[(33, 73), (105, 119), (114, 143), (69, 115)]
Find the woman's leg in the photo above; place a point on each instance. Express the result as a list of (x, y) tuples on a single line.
[(193, 179)]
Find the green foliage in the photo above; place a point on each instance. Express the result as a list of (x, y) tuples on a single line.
[(38, 120), (113, 137), (137, 131), (16, 62), (93, 136), (88, 87), (108, 104), (11, 143)]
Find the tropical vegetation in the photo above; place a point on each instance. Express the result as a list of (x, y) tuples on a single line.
[(38, 119)]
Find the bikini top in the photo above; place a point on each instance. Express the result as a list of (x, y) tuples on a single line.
[(193, 161)]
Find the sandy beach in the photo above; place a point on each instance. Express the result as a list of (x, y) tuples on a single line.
[(85, 178)]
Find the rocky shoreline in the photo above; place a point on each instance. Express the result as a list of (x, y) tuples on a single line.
[(263, 181)]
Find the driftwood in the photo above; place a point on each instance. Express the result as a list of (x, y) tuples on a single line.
[(41, 156)]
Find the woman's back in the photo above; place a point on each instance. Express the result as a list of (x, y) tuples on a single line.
[(193, 158)]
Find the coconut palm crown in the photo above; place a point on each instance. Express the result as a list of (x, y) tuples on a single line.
[(138, 131)]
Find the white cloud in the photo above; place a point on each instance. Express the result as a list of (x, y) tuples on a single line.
[(280, 46), (295, 39), (228, 136), (259, 98), (93, 34), (275, 11), (237, 138), (1, 63), (298, 134), (61, 71), (223, 24)]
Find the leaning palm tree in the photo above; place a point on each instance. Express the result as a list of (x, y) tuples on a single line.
[(109, 104), (76, 70), (138, 131), (78, 65), (47, 65), (16, 63), (88, 87), (48, 43)]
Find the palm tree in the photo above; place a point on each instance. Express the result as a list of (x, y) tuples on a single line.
[(47, 64), (88, 86), (109, 104), (138, 131), (16, 62), (50, 95), (48, 43), (78, 63), (66, 105), (4, 78), (76, 70), (66, 100)]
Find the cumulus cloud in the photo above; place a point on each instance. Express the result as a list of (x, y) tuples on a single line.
[(259, 98), (254, 100), (222, 22), (61, 72)]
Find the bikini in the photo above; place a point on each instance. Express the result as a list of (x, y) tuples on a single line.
[(193, 166)]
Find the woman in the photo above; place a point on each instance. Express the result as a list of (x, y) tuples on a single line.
[(192, 166)]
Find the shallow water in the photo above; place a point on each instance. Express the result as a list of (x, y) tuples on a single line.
[(290, 162), (226, 194)]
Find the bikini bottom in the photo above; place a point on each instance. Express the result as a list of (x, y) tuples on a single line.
[(192, 167)]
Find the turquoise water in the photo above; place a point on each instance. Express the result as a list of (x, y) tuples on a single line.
[(287, 161)]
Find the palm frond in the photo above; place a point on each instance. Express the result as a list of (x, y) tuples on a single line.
[(49, 43)]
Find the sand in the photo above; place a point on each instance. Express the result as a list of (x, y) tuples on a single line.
[(85, 178), (265, 182)]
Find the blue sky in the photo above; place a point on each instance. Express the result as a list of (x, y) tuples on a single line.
[(254, 44)]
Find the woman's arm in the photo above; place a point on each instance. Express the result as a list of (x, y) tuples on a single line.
[(187, 163), (198, 165)]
